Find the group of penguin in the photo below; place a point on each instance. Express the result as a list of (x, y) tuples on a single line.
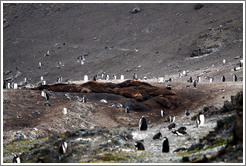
[(46, 94), (143, 125), (222, 80)]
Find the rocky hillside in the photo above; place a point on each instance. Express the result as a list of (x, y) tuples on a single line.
[(166, 45), (156, 40)]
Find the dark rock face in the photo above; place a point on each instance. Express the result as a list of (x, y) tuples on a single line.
[(237, 101)]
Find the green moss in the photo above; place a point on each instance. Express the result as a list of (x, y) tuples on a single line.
[(216, 143), (20, 146), (116, 157), (188, 153)]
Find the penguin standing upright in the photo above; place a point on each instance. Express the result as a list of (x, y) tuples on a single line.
[(39, 65), (194, 83), (165, 145), (95, 78), (162, 113), (127, 110), (223, 78), (200, 120), (63, 147), (187, 112), (84, 99), (143, 124), (234, 78), (135, 77), (190, 80), (45, 95), (16, 158), (170, 119)]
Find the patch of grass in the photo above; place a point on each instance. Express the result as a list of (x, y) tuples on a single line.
[(116, 157), (216, 143), (20, 146)]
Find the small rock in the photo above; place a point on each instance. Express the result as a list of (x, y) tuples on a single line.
[(198, 6)]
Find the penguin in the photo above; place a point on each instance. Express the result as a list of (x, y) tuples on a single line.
[(4, 85), (59, 65), (82, 62), (47, 53), (180, 75), (223, 79), (190, 80), (234, 78), (127, 110), (187, 112), (162, 113), (170, 119), (59, 79), (63, 147), (157, 136), (64, 111), (39, 65), (181, 131), (135, 10), (143, 124), (165, 145), (200, 119), (45, 95), (43, 82), (194, 83), (67, 95), (107, 77), (16, 158), (135, 77), (169, 87), (139, 145), (47, 104), (84, 99), (95, 78), (172, 125), (78, 98)]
